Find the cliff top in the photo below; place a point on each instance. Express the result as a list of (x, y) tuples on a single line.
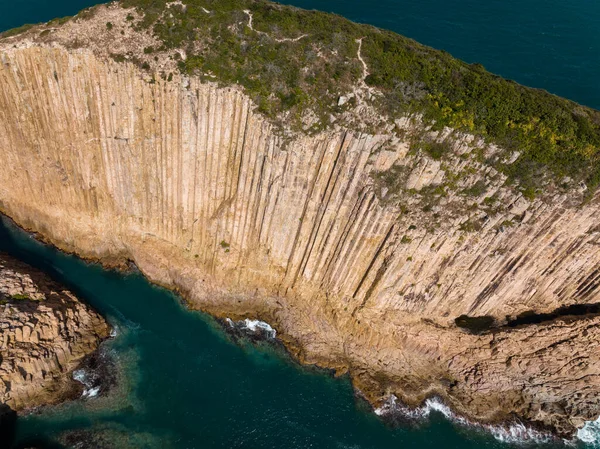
[(312, 70)]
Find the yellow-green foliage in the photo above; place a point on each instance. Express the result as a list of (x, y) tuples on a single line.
[(554, 136)]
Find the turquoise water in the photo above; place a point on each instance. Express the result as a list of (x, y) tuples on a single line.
[(186, 384)]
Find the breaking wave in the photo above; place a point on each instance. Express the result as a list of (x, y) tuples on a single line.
[(83, 377), (515, 432), (590, 433), (254, 326)]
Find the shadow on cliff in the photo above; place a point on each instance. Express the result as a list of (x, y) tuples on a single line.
[(8, 425), (483, 324)]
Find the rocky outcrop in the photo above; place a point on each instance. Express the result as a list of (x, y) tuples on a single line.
[(45, 332), (359, 250)]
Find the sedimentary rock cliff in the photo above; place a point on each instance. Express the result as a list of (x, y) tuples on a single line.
[(357, 272), (44, 333)]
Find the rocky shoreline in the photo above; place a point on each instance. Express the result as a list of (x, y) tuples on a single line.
[(357, 274), (377, 392), (45, 334)]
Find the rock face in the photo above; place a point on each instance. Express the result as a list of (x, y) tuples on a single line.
[(356, 273), (44, 333)]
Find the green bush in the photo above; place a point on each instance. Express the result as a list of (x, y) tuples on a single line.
[(20, 297), (554, 136)]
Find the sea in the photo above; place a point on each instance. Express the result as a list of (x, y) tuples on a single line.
[(185, 381)]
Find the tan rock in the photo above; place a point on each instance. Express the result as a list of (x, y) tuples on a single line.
[(185, 179), (33, 373)]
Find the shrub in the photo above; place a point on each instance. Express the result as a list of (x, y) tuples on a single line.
[(553, 135), (20, 297)]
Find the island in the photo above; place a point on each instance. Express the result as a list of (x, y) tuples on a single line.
[(392, 212)]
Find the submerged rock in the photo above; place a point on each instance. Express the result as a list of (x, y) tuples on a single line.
[(255, 330), (45, 333), (97, 373), (363, 244)]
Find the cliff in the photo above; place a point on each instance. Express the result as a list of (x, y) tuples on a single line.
[(45, 332), (420, 273)]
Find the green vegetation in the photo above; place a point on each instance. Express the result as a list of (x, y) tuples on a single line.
[(20, 297), (477, 189), (405, 239), (437, 150), (118, 57), (470, 226), (109, 26), (475, 324), (59, 21), (553, 136), (18, 30)]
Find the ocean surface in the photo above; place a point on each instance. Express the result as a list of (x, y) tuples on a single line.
[(185, 383)]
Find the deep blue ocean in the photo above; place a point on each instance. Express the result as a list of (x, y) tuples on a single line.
[(185, 383)]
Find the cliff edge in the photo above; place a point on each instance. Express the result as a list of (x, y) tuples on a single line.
[(393, 212)]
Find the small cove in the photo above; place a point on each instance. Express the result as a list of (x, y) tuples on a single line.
[(186, 384)]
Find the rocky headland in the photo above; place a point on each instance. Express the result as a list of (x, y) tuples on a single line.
[(45, 333), (392, 212)]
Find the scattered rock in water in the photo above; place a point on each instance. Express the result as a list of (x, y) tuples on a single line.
[(97, 373), (254, 330), (86, 439), (112, 436)]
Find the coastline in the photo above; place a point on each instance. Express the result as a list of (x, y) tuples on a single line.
[(410, 410), (47, 334)]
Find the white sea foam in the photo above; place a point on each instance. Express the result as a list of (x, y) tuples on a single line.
[(590, 433), (90, 392), (81, 376), (256, 325), (253, 326), (511, 433)]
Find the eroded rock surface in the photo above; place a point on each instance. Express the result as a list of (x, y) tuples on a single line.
[(359, 251), (45, 331)]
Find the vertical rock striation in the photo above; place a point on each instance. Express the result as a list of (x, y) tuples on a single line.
[(207, 197)]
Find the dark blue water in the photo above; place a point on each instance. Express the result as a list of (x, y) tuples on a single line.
[(550, 44), (185, 384)]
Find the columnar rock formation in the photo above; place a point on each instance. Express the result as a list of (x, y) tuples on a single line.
[(44, 333), (185, 179)]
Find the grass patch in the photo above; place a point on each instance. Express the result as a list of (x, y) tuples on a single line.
[(21, 297), (553, 135), (477, 189), (18, 30)]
